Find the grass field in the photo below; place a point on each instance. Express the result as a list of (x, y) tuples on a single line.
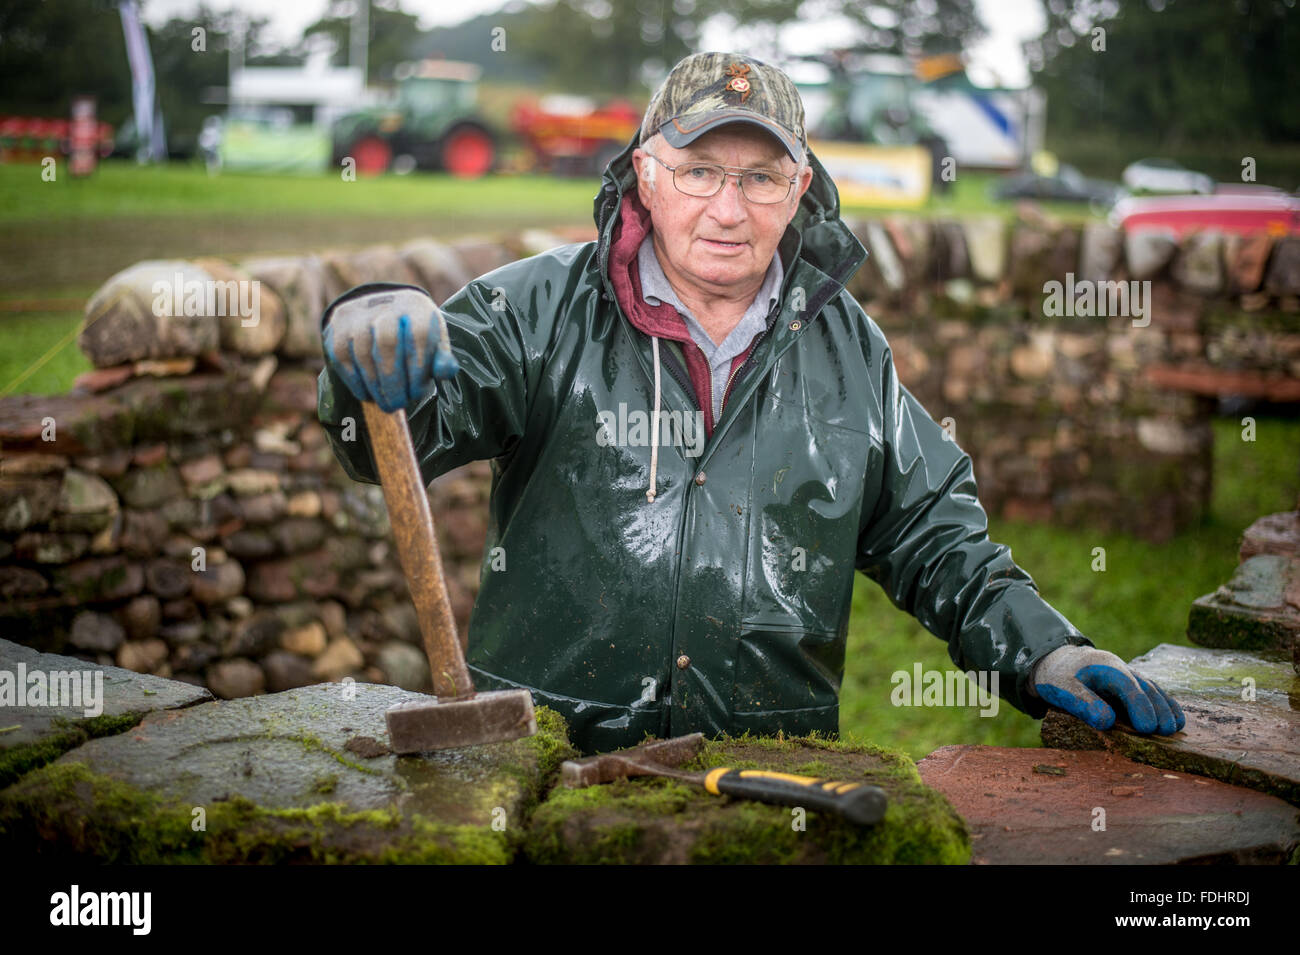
[(122, 189), (77, 232)]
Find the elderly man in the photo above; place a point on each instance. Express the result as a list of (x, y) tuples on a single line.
[(696, 436)]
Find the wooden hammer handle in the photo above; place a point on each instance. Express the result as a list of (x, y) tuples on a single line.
[(417, 548)]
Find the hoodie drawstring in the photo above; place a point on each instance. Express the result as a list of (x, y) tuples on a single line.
[(654, 426)]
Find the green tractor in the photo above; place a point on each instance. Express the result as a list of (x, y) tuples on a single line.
[(432, 123)]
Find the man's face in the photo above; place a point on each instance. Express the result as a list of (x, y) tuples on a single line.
[(721, 244)]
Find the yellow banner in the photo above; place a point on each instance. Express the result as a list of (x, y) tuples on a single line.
[(894, 176)]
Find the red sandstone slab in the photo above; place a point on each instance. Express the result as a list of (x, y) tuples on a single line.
[(1208, 380), (1047, 806)]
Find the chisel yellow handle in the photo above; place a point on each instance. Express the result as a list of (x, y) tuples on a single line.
[(855, 801)]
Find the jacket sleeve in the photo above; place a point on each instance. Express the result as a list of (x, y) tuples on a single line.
[(926, 543), (476, 415)]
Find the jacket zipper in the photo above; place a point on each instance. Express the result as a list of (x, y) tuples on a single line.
[(670, 360), (726, 392)]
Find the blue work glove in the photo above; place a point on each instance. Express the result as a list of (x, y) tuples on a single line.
[(389, 346), (1071, 679)]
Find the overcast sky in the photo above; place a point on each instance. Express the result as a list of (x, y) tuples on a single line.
[(996, 60)]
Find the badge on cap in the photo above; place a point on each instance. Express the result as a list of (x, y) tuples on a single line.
[(739, 82)]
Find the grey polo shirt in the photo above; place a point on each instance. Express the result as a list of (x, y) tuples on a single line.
[(656, 290)]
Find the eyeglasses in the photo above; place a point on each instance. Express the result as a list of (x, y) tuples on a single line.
[(704, 179)]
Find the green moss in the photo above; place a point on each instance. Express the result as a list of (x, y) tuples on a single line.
[(109, 725), (136, 827), (66, 735), (313, 743), (16, 761), (551, 743), (656, 820)]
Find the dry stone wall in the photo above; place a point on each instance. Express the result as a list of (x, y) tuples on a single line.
[(180, 513)]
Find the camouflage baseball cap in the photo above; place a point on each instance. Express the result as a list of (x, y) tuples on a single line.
[(707, 90)]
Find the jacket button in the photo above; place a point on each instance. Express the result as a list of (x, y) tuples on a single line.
[(700, 479), (683, 662)]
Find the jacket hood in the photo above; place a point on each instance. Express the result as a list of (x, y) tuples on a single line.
[(816, 234)]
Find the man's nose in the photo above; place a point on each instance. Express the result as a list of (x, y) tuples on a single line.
[(727, 207)]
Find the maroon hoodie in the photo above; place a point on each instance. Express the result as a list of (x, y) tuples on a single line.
[(660, 320)]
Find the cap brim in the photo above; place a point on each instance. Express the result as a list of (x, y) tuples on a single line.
[(681, 132)]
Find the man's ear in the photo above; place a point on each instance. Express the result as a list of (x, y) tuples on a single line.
[(643, 188), (805, 181)]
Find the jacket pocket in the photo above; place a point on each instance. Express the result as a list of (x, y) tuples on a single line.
[(782, 665)]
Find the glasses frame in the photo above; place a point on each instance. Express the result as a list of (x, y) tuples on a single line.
[(740, 182)]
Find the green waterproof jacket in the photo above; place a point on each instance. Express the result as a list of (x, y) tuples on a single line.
[(723, 605)]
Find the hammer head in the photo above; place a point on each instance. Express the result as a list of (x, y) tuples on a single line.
[(418, 726), (607, 767)]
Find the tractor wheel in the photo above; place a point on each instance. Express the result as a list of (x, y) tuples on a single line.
[(468, 152), (372, 155)]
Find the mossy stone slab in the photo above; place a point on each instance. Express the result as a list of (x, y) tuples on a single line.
[(1258, 609), (1243, 719), (31, 736), (300, 776), (653, 820)]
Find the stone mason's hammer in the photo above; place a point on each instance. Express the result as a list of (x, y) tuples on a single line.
[(457, 716)]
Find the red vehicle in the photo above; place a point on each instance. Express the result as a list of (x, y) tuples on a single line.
[(32, 138), (569, 135), (1235, 212)]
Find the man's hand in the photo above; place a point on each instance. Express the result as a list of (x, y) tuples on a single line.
[(389, 346), (1070, 679)]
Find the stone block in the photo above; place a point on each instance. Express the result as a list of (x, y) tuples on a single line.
[(1199, 263), (987, 245), (1040, 807), (1148, 252), (45, 732), (1242, 727), (126, 320), (481, 256), (1259, 608), (1272, 534), (231, 679), (300, 776), (441, 271), (1283, 275), (299, 282), (1101, 250), (1246, 258), (96, 632), (657, 821)]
